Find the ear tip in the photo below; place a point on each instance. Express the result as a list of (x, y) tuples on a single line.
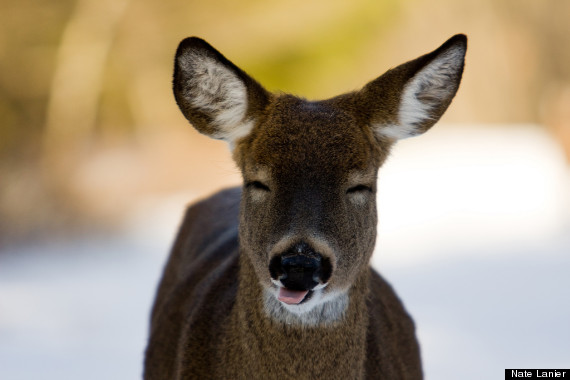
[(459, 40), (192, 43)]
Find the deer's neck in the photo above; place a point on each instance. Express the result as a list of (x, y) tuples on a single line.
[(269, 348)]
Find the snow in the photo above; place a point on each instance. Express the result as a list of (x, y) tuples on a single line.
[(77, 310), (474, 234)]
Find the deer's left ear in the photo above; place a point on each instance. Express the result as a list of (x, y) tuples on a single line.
[(217, 97), (409, 99)]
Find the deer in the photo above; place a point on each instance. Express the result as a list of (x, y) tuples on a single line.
[(272, 279)]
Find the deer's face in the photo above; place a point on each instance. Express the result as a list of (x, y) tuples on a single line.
[(308, 211), (308, 220)]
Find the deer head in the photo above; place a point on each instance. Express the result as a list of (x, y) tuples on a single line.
[(308, 209)]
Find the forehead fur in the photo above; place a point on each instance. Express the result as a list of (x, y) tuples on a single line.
[(313, 135)]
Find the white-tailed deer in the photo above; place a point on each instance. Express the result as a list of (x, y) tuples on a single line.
[(272, 280)]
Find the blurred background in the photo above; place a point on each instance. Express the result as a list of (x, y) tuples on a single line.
[(97, 164)]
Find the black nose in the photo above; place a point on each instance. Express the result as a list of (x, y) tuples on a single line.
[(300, 268)]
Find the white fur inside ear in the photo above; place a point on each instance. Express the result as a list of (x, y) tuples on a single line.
[(218, 92), (428, 89)]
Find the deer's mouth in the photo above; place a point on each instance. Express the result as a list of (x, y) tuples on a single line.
[(304, 306), (293, 297)]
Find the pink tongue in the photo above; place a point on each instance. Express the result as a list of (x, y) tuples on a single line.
[(291, 297)]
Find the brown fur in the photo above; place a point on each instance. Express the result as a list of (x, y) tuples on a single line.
[(301, 163)]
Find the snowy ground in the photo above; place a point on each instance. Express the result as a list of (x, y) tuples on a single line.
[(474, 235)]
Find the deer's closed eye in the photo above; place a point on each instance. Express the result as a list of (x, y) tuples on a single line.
[(258, 185), (359, 189)]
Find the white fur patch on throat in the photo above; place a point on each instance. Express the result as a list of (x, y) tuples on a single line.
[(321, 309), (427, 90), (218, 92)]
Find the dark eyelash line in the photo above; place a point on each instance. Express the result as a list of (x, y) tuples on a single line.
[(258, 185), (359, 188), (355, 189)]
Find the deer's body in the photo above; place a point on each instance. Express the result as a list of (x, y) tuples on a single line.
[(272, 281)]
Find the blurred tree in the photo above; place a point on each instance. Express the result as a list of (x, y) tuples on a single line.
[(30, 32), (78, 78)]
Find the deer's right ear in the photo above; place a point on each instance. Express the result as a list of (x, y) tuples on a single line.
[(218, 98), (409, 99)]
